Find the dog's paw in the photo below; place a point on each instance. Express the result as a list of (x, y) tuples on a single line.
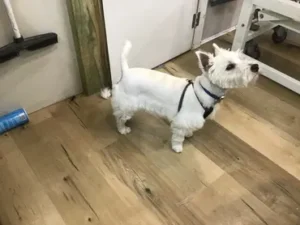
[(125, 130), (177, 148)]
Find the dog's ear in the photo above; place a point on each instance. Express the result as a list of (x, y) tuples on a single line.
[(217, 49), (205, 60)]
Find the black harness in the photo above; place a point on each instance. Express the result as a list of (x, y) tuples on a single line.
[(207, 111)]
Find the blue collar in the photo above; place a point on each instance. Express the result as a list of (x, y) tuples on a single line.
[(217, 98)]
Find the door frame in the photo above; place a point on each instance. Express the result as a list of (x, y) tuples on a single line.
[(89, 36)]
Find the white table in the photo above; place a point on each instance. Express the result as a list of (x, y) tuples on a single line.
[(285, 13)]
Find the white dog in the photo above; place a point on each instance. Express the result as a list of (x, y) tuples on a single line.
[(186, 104)]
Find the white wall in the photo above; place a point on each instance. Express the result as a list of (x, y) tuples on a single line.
[(37, 79)]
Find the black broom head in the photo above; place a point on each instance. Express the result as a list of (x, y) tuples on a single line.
[(12, 50)]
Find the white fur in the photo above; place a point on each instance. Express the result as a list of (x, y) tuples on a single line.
[(159, 93), (105, 93)]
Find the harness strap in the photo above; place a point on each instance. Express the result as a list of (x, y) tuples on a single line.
[(207, 111), (183, 94)]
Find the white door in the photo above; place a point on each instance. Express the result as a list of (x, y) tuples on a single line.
[(159, 30)]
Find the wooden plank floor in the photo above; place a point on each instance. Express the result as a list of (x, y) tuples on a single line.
[(69, 166)]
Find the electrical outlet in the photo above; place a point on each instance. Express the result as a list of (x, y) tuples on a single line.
[(218, 2)]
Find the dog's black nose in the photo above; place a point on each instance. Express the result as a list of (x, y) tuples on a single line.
[(254, 68)]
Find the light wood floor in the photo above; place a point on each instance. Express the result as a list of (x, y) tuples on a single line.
[(69, 166)]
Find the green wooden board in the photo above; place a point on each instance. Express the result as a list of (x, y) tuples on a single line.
[(88, 27)]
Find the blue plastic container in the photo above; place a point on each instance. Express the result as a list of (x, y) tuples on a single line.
[(13, 119)]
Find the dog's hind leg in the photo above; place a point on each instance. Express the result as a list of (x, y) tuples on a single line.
[(122, 113), (122, 116)]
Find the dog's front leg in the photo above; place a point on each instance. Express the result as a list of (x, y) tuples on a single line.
[(178, 136)]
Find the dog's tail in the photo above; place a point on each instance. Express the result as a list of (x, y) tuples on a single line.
[(126, 49), (106, 92)]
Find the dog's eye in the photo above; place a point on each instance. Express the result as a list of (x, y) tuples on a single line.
[(230, 66)]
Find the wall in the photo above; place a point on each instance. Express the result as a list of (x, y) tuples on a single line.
[(37, 79)]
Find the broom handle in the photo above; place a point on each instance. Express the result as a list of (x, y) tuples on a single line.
[(12, 18)]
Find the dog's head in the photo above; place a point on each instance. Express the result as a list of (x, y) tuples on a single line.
[(227, 69)]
